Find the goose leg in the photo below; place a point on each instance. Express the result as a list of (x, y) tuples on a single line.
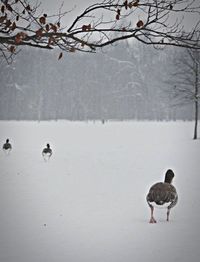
[(152, 219), (168, 212), (44, 157)]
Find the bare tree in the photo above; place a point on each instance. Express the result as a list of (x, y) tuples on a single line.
[(153, 22), (186, 78)]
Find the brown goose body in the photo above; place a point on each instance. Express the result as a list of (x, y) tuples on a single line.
[(7, 146), (47, 152), (162, 194)]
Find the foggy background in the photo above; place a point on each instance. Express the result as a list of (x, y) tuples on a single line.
[(127, 81)]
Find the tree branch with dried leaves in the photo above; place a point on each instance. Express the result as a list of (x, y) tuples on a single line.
[(152, 22)]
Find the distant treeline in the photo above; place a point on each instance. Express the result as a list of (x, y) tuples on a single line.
[(123, 82)]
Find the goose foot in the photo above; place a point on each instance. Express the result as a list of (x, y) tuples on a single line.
[(152, 220)]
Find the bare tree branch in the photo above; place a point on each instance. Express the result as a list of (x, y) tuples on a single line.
[(152, 22)]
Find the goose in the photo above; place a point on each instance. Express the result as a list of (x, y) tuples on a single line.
[(7, 146), (47, 152), (162, 194)]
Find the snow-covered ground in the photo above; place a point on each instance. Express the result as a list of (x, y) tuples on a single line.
[(87, 204)]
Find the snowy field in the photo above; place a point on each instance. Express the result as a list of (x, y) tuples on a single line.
[(87, 204)]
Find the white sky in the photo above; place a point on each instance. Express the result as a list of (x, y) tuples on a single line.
[(52, 7)]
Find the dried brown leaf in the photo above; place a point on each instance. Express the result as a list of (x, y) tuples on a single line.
[(72, 49), (9, 7), (130, 5), (2, 8), (60, 56), (2, 18), (18, 39), (140, 23), (54, 28), (51, 40), (13, 26), (12, 48), (28, 8), (42, 20), (126, 4), (47, 27), (136, 3), (117, 17), (8, 23), (84, 28), (39, 32)]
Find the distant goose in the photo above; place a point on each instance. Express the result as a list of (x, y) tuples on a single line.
[(162, 194), (7, 146), (47, 152)]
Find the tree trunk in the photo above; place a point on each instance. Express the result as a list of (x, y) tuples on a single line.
[(196, 119), (196, 98)]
